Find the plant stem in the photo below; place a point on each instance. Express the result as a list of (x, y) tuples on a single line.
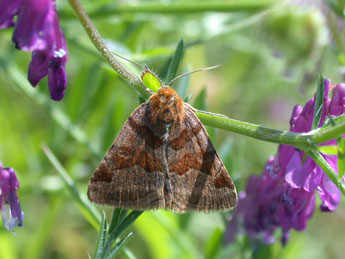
[(300, 140), (183, 7), (97, 40), (321, 161)]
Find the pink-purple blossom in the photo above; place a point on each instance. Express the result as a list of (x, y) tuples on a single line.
[(37, 29), (11, 213), (284, 195)]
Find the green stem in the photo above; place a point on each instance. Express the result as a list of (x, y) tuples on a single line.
[(323, 135), (300, 140), (184, 7), (97, 40), (321, 161)]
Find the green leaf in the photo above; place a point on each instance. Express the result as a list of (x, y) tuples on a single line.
[(187, 99), (89, 211), (341, 158), (127, 222), (118, 246), (200, 100), (101, 238), (141, 99), (175, 61), (214, 244), (328, 150), (116, 219), (150, 80), (182, 85), (118, 225), (318, 103)]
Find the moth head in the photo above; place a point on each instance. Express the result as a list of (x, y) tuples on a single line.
[(166, 106)]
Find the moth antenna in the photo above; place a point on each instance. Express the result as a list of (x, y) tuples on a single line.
[(131, 61), (194, 71)]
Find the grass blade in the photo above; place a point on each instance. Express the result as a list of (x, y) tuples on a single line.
[(118, 246), (116, 219), (101, 238), (89, 210), (120, 226), (182, 85), (175, 61)]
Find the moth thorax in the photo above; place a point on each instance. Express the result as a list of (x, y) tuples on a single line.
[(166, 106)]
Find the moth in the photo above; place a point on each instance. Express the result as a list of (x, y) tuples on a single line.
[(163, 158)]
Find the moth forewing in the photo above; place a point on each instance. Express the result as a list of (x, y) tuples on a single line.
[(163, 158)]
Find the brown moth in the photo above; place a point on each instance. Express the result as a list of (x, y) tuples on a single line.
[(163, 158)]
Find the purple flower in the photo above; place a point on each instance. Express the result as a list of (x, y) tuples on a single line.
[(37, 29), (284, 195), (8, 9), (337, 105), (268, 203), (51, 62), (34, 25), (11, 212)]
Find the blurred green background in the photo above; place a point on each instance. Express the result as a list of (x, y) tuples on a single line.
[(271, 53)]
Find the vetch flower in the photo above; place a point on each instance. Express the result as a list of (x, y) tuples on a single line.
[(8, 9), (51, 62), (284, 195), (37, 29), (269, 203), (11, 213), (34, 25)]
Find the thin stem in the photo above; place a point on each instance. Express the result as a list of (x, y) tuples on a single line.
[(252, 130), (97, 40), (323, 135), (321, 161), (301, 140), (184, 7)]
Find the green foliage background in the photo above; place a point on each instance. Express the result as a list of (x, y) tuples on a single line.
[(270, 56)]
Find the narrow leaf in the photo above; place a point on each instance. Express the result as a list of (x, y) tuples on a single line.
[(182, 85), (318, 103), (101, 238), (175, 61), (89, 211), (341, 158), (187, 99), (328, 150), (200, 100), (116, 219), (118, 246), (141, 99), (121, 226), (127, 222), (214, 244)]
